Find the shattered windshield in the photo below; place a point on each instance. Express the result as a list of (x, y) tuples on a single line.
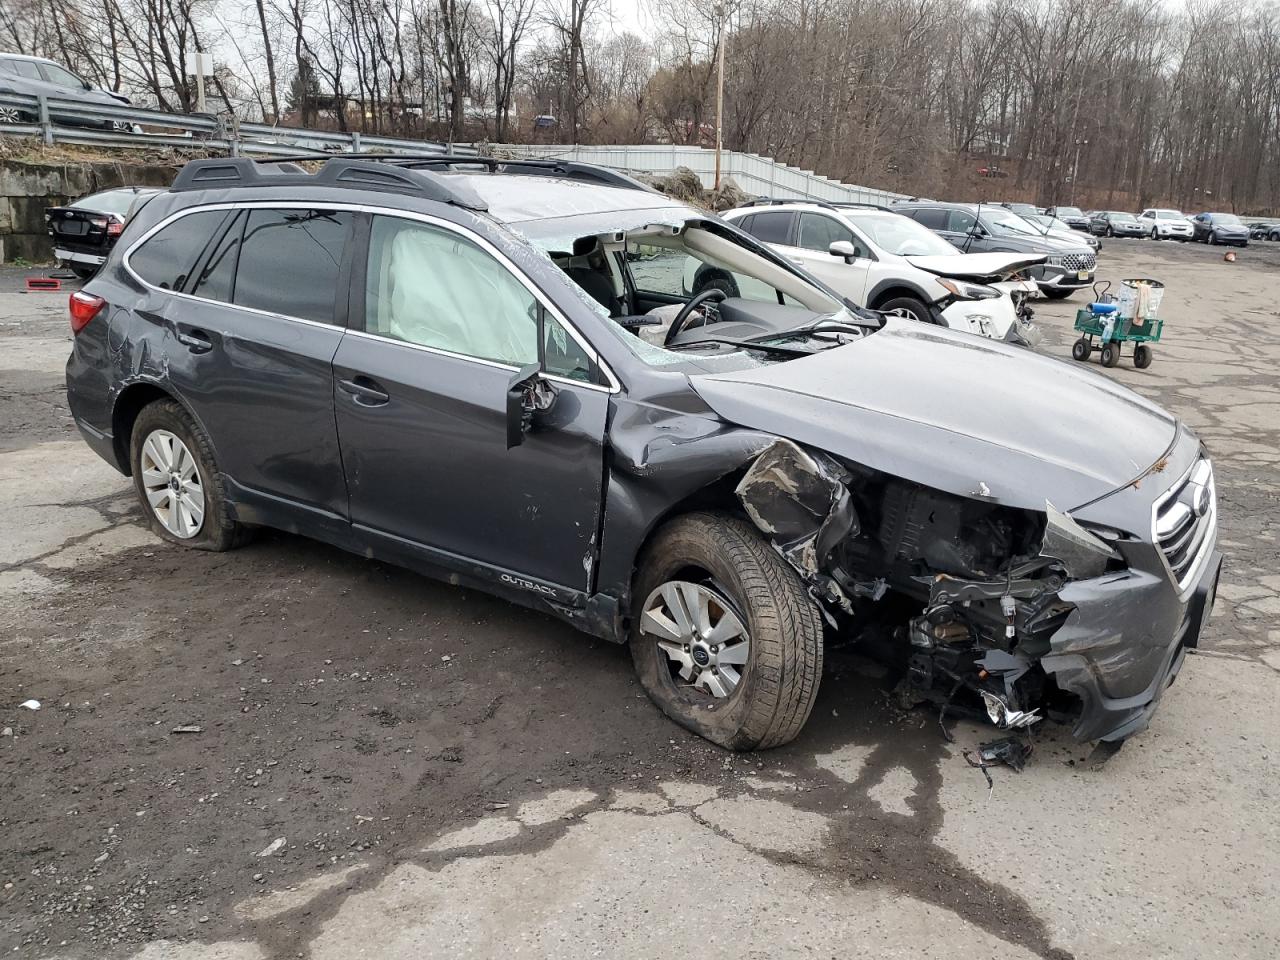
[(641, 271)]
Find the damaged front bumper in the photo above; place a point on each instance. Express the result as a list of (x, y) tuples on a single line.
[(1089, 631)]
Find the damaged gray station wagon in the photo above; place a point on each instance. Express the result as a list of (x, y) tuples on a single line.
[(495, 372)]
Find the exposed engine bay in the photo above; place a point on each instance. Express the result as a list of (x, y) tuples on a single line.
[(962, 594)]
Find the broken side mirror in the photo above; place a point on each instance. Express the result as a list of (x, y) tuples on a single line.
[(843, 249), (527, 394)]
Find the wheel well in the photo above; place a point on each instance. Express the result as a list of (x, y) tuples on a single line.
[(892, 293), (128, 405)]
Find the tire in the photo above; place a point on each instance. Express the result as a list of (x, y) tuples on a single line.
[(1142, 356), (83, 273), (1110, 232), (1110, 354), (1059, 293), (1154, 235), (779, 680), (217, 531), (1081, 350), (715, 280), (14, 115), (910, 305), (1210, 239)]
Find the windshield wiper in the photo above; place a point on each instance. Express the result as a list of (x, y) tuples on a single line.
[(745, 345), (803, 332)]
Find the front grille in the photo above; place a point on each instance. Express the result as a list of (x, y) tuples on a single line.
[(1186, 520), (1080, 261)]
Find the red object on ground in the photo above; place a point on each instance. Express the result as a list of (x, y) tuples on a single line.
[(43, 283)]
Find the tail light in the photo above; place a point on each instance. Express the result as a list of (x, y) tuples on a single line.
[(115, 228), (84, 307)]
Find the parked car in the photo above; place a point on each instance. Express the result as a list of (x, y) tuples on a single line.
[(1116, 223), (1263, 229), (1164, 224), (885, 261), (1219, 228), (988, 229), (1072, 216), (84, 232), (1055, 228), (1021, 209), (435, 362), (35, 76)]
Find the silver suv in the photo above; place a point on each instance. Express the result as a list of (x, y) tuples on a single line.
[(37, 77)]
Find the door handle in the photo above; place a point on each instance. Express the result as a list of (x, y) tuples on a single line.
[(365, 391), (197, 341)]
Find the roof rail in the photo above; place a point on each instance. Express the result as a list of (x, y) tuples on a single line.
[(532, 166), (360, 173), (843, 204), (776, 201)]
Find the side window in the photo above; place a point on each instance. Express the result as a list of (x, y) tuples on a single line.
[(744, 223), (561, 354), (62, 77), (818, 232), (25, 69), (931, 218), (217, 276), (169, 255), (302, 246), (437, 289), (773, 227), (962, 221)]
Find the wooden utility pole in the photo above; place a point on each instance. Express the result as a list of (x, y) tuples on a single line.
[(723, 13)]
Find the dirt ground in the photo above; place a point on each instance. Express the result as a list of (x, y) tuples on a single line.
[(452, 776)]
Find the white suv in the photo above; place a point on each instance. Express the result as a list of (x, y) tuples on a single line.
[(884, 261), (1166, 224)]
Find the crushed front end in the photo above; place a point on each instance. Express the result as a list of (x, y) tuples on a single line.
[(1018, 615)]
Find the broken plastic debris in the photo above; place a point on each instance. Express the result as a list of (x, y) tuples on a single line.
[(189, 728), (30, 704), (1010, 751), (275, 846)]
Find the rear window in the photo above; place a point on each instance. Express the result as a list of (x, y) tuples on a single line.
[(109, 201), (22, 68), (932, 218), (773, 227), (290, 260), (168, 256)]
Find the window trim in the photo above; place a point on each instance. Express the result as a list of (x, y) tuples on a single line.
[(612, 385)]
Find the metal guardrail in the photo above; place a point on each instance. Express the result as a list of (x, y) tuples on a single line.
[(58, 120)]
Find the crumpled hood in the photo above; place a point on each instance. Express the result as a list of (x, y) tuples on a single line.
[(976, 266), (954, 412)]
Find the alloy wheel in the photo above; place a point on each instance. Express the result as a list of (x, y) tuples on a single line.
[(702, 636), (10, 115), (171, 478)]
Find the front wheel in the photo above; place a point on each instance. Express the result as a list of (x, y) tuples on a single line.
[(1142, 356), (1059, 293), (1110, 354), (177, 481), (725, 638), (907, 306), (1081, 349)]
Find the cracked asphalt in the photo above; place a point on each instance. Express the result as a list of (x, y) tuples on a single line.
[(455, 777)]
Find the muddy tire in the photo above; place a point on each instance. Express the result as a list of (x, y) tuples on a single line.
[(167, 441), (725, 558)]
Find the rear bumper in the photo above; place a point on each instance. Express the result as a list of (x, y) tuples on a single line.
[(1124, 644), (71, 255)]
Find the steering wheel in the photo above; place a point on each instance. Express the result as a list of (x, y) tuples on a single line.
[(682, 318)]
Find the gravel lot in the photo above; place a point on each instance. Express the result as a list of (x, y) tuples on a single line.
[(455, 777)]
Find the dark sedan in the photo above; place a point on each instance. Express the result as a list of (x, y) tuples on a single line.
[(84, 232), (1219, 228), (37, 77), (1116, 223)]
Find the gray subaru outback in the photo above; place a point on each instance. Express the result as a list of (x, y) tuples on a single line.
[(492, 373)]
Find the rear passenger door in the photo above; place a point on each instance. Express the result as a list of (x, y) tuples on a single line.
[(251, 339)]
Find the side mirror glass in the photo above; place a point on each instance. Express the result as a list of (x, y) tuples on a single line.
[(977, 233), (844, 249)]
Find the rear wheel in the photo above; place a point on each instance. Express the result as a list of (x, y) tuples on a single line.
[(14, 115), (1110, 354), (907, 306), (725, 639), (1142, 356), (1081, 349), (84, 273), (177, 481)]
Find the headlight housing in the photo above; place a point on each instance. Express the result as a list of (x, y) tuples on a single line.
[(964, 290), (1055, 261)]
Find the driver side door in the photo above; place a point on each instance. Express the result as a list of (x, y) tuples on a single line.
[(815, 233), (443, 323)]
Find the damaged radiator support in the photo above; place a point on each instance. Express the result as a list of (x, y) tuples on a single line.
[(985, 577)]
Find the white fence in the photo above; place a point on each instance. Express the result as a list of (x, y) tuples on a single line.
[(756, 175)]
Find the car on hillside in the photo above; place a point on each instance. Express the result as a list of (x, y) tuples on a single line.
[(977, 228), (1165, 224), (84, 231), (881, 260), (1116, 223), (436, 362), (1224, 228), (36, 76), (1073, 217)]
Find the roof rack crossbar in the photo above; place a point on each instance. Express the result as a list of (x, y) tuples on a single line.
[(356, 172), (529, 166)]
